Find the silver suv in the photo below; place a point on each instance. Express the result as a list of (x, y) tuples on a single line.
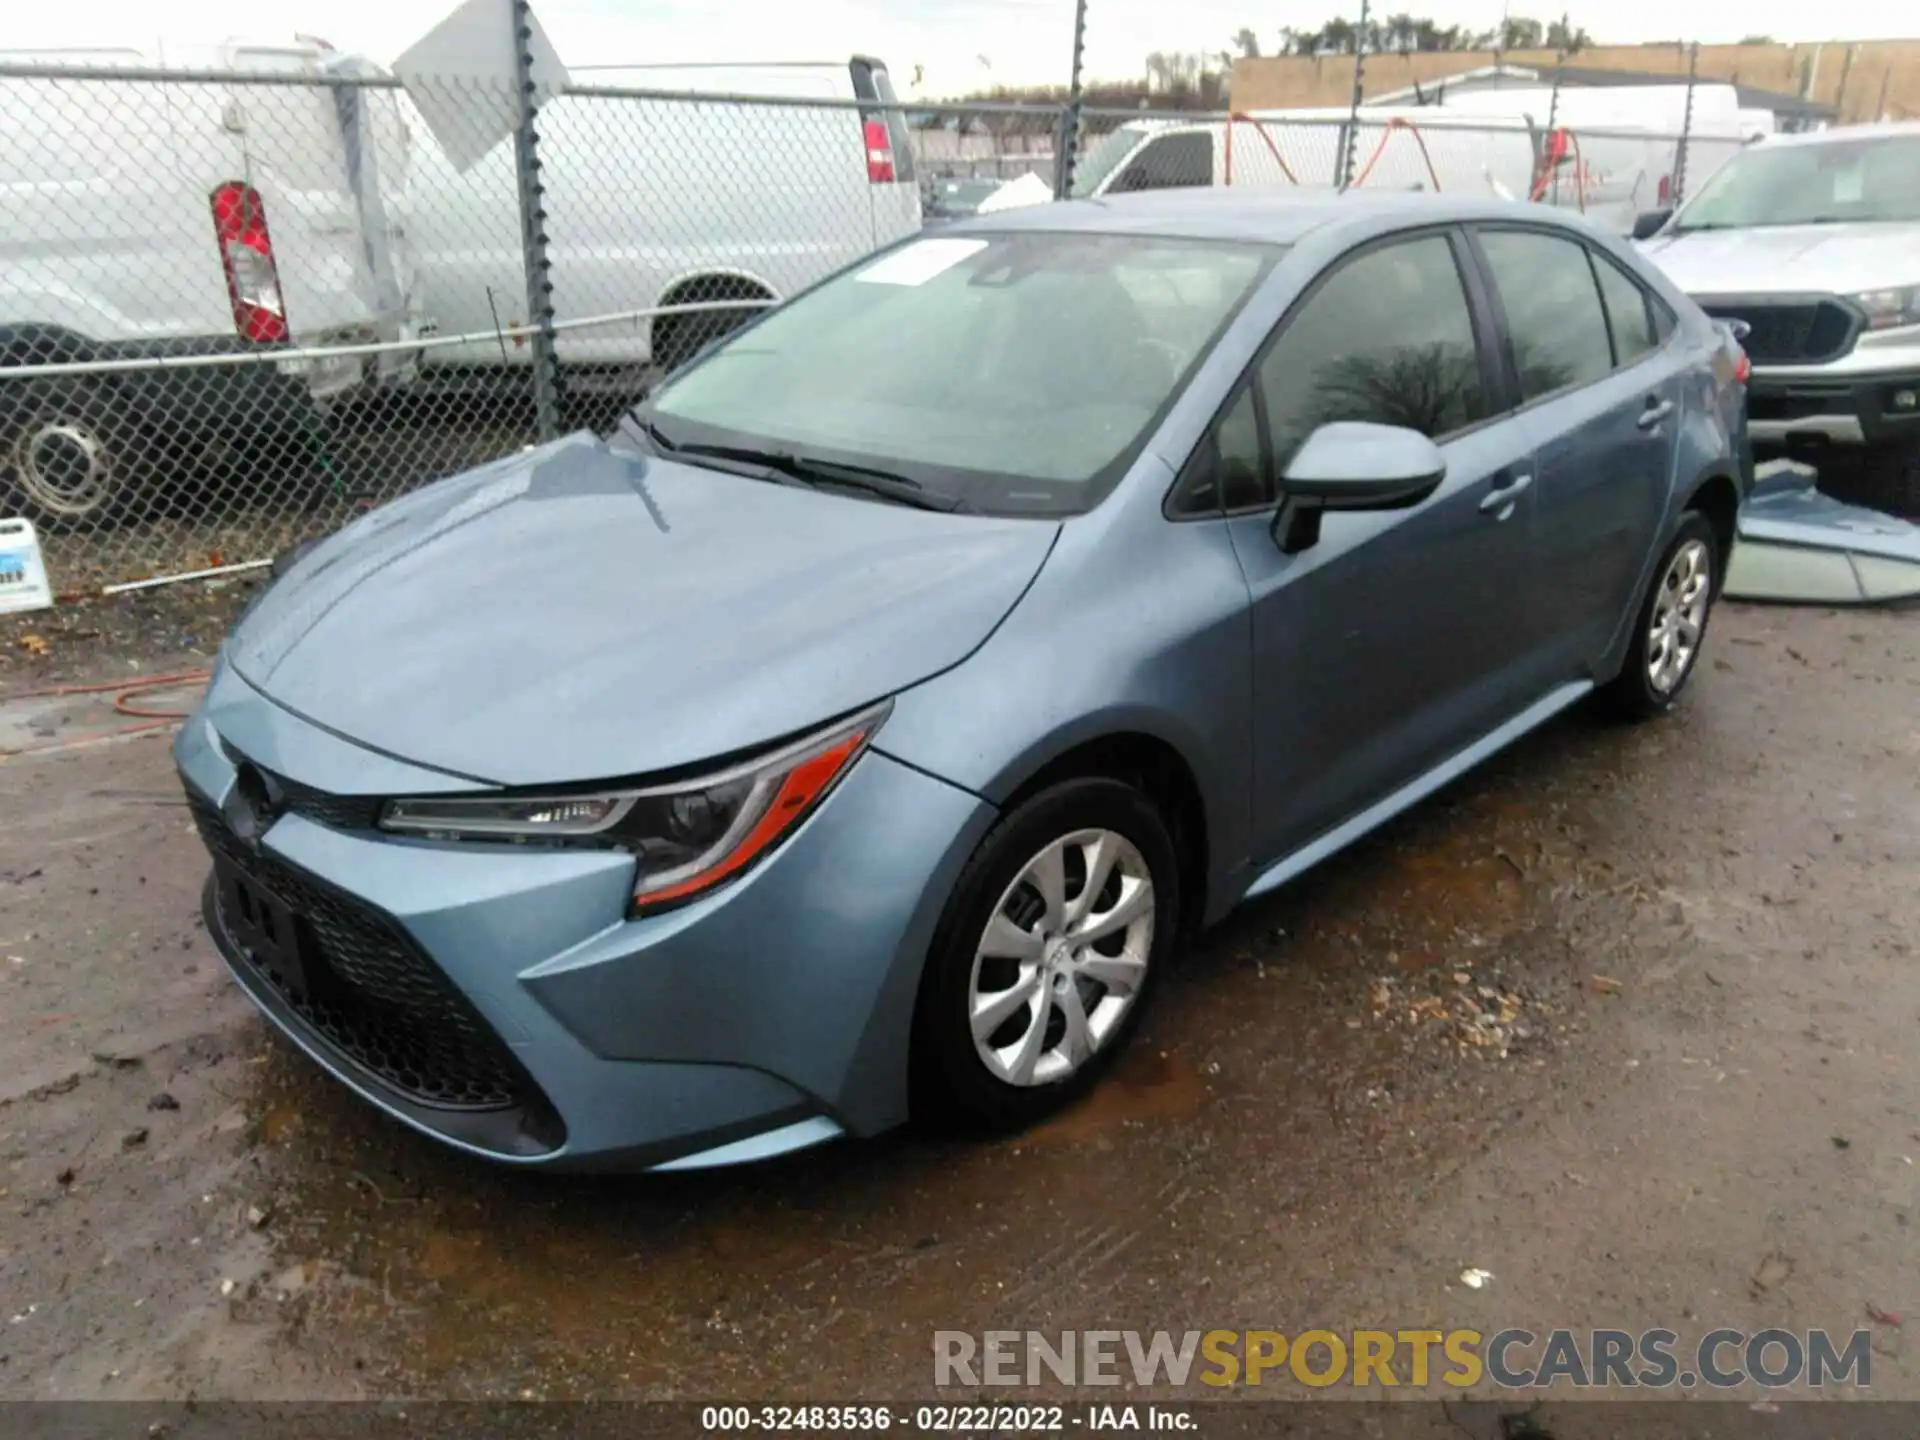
[(1814, 242)]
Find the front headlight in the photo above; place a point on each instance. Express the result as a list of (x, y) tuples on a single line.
[(1886, 309), (685, 837)]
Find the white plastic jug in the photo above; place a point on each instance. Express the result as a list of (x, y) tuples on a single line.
[(23, 573)]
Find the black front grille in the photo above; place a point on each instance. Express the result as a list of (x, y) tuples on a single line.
[(385, 1006), (1791, 332), (340, 812)]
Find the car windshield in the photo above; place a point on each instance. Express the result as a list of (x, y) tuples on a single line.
[(1016, 373), (1826, 183), (1103, 159)]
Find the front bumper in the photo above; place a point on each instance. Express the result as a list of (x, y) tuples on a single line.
[(502, 1002), (1796, 408)]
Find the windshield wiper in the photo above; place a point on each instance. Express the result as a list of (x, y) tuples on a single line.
[(884, 484), (750, 463), (787, 468)]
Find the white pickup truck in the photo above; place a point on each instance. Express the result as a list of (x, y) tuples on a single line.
[(1813, 241)]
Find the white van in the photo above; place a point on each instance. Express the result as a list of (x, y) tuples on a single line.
[(1491, 142), (653, 200), (1265, 148), (146, 220), (1614, 150)]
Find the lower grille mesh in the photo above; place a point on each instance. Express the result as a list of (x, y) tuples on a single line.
[(384, 1005)]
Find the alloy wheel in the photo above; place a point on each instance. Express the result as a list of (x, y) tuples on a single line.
[(1679, 616), (1063, 958)]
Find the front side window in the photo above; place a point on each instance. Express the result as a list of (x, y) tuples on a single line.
[(1554, 319), (1173, 162), (1019, 373), (1228, 468), (1387, 338)]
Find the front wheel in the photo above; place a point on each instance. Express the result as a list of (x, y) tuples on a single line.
[(1671, 624), (1044, 960)]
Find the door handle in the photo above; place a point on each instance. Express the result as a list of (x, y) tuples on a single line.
[(1500, 500), (1656, 411)]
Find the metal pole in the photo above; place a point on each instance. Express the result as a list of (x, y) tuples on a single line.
[(1686, 127), (1359, 89), (533, 230), (1070, 119), (1553, 115)]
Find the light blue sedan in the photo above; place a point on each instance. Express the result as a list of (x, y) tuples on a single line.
[(856, 733)]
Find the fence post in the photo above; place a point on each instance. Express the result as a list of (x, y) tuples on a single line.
[(533, 230), (1359, 88), (1686, 127), (1070, 117)]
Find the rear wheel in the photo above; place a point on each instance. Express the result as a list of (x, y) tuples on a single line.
[(1671, 624), (678, 338), (64, 457), (1045, 958)]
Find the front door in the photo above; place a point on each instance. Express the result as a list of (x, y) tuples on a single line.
[(1400, 637)]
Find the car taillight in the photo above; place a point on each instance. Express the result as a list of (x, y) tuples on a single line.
[(246, 254), (1742, 369), (879, 153)]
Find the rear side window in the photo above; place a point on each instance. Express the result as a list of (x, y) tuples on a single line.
[(1629, 315), (1172, 162), (1554, 317), (1387, 338)]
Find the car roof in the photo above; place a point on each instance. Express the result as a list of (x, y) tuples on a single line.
[(1268, 216)]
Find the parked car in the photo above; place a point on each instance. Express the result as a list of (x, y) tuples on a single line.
[(859, 730), (956, 197), (1812, 244), (654, 200), (153, 222)]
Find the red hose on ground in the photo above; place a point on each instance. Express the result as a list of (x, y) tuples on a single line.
[(123, 693)]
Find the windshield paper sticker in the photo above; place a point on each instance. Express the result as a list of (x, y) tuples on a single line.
[(919, 262)]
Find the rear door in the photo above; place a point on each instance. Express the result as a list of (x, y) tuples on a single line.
[(1600, 398), (294, 154), (893, 183)]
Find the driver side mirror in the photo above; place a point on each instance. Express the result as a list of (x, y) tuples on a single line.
[(1353, 465), (1647, 224)]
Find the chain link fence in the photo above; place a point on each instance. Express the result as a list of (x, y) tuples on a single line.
[(239, 306)]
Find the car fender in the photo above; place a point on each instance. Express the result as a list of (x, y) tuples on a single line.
[(1679, 501), (1135, 627)]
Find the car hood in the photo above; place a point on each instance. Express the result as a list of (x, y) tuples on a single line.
[(579, 612), (1789, 259)]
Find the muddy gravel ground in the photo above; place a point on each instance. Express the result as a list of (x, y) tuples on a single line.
[(1627, 1018)]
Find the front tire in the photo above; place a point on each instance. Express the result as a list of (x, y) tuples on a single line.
[(1045, 957), (1671, 624)]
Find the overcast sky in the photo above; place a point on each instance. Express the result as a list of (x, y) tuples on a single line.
[(960, 43)]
